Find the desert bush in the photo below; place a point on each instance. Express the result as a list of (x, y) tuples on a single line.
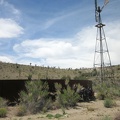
[(117, 116), (79, 77), (30, 77), (57, 116), (3, 102), (3, 112), (107, 89), (48, 105), (108, 103), (94, 72), (69, 97), (106, 118), (67, 82), (103, 91), (66, 98), (21, 110), (66, 77), (36, 97), (50, 116), (116, 91)]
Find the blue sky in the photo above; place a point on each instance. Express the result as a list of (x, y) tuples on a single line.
[(57, 33)]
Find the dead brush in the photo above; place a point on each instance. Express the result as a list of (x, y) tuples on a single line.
[(90, 109), (117, 116)]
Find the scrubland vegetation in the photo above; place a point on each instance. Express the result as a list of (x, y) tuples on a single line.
[(3, 107), (36, 99)]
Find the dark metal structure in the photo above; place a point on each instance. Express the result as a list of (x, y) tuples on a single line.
[(102, 61), (10, 89)]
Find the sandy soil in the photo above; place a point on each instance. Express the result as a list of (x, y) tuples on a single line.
[(93, 110)]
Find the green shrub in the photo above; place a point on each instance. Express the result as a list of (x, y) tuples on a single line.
[(3, 112), (106, 118), (36, 97), (58, 116), (108, 103), (116, 91), (66, 77), (94, 72), (67, 98), (107, 89), (3, 102), (47, 105), (50, 116), (103, 90), (80, 77), (29, 77)]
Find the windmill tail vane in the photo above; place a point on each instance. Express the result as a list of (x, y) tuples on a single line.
[(106, 2)]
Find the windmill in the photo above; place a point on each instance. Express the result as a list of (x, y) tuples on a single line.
[(102, 62)]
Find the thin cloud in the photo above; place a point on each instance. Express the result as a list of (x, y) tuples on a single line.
[(9, 10), (60, 17)]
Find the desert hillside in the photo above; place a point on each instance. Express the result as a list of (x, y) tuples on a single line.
[(19, 71)]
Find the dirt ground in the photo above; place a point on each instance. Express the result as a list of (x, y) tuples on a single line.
[(93, 110)]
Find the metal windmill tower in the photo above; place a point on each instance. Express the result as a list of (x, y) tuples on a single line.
[(102, 62)]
